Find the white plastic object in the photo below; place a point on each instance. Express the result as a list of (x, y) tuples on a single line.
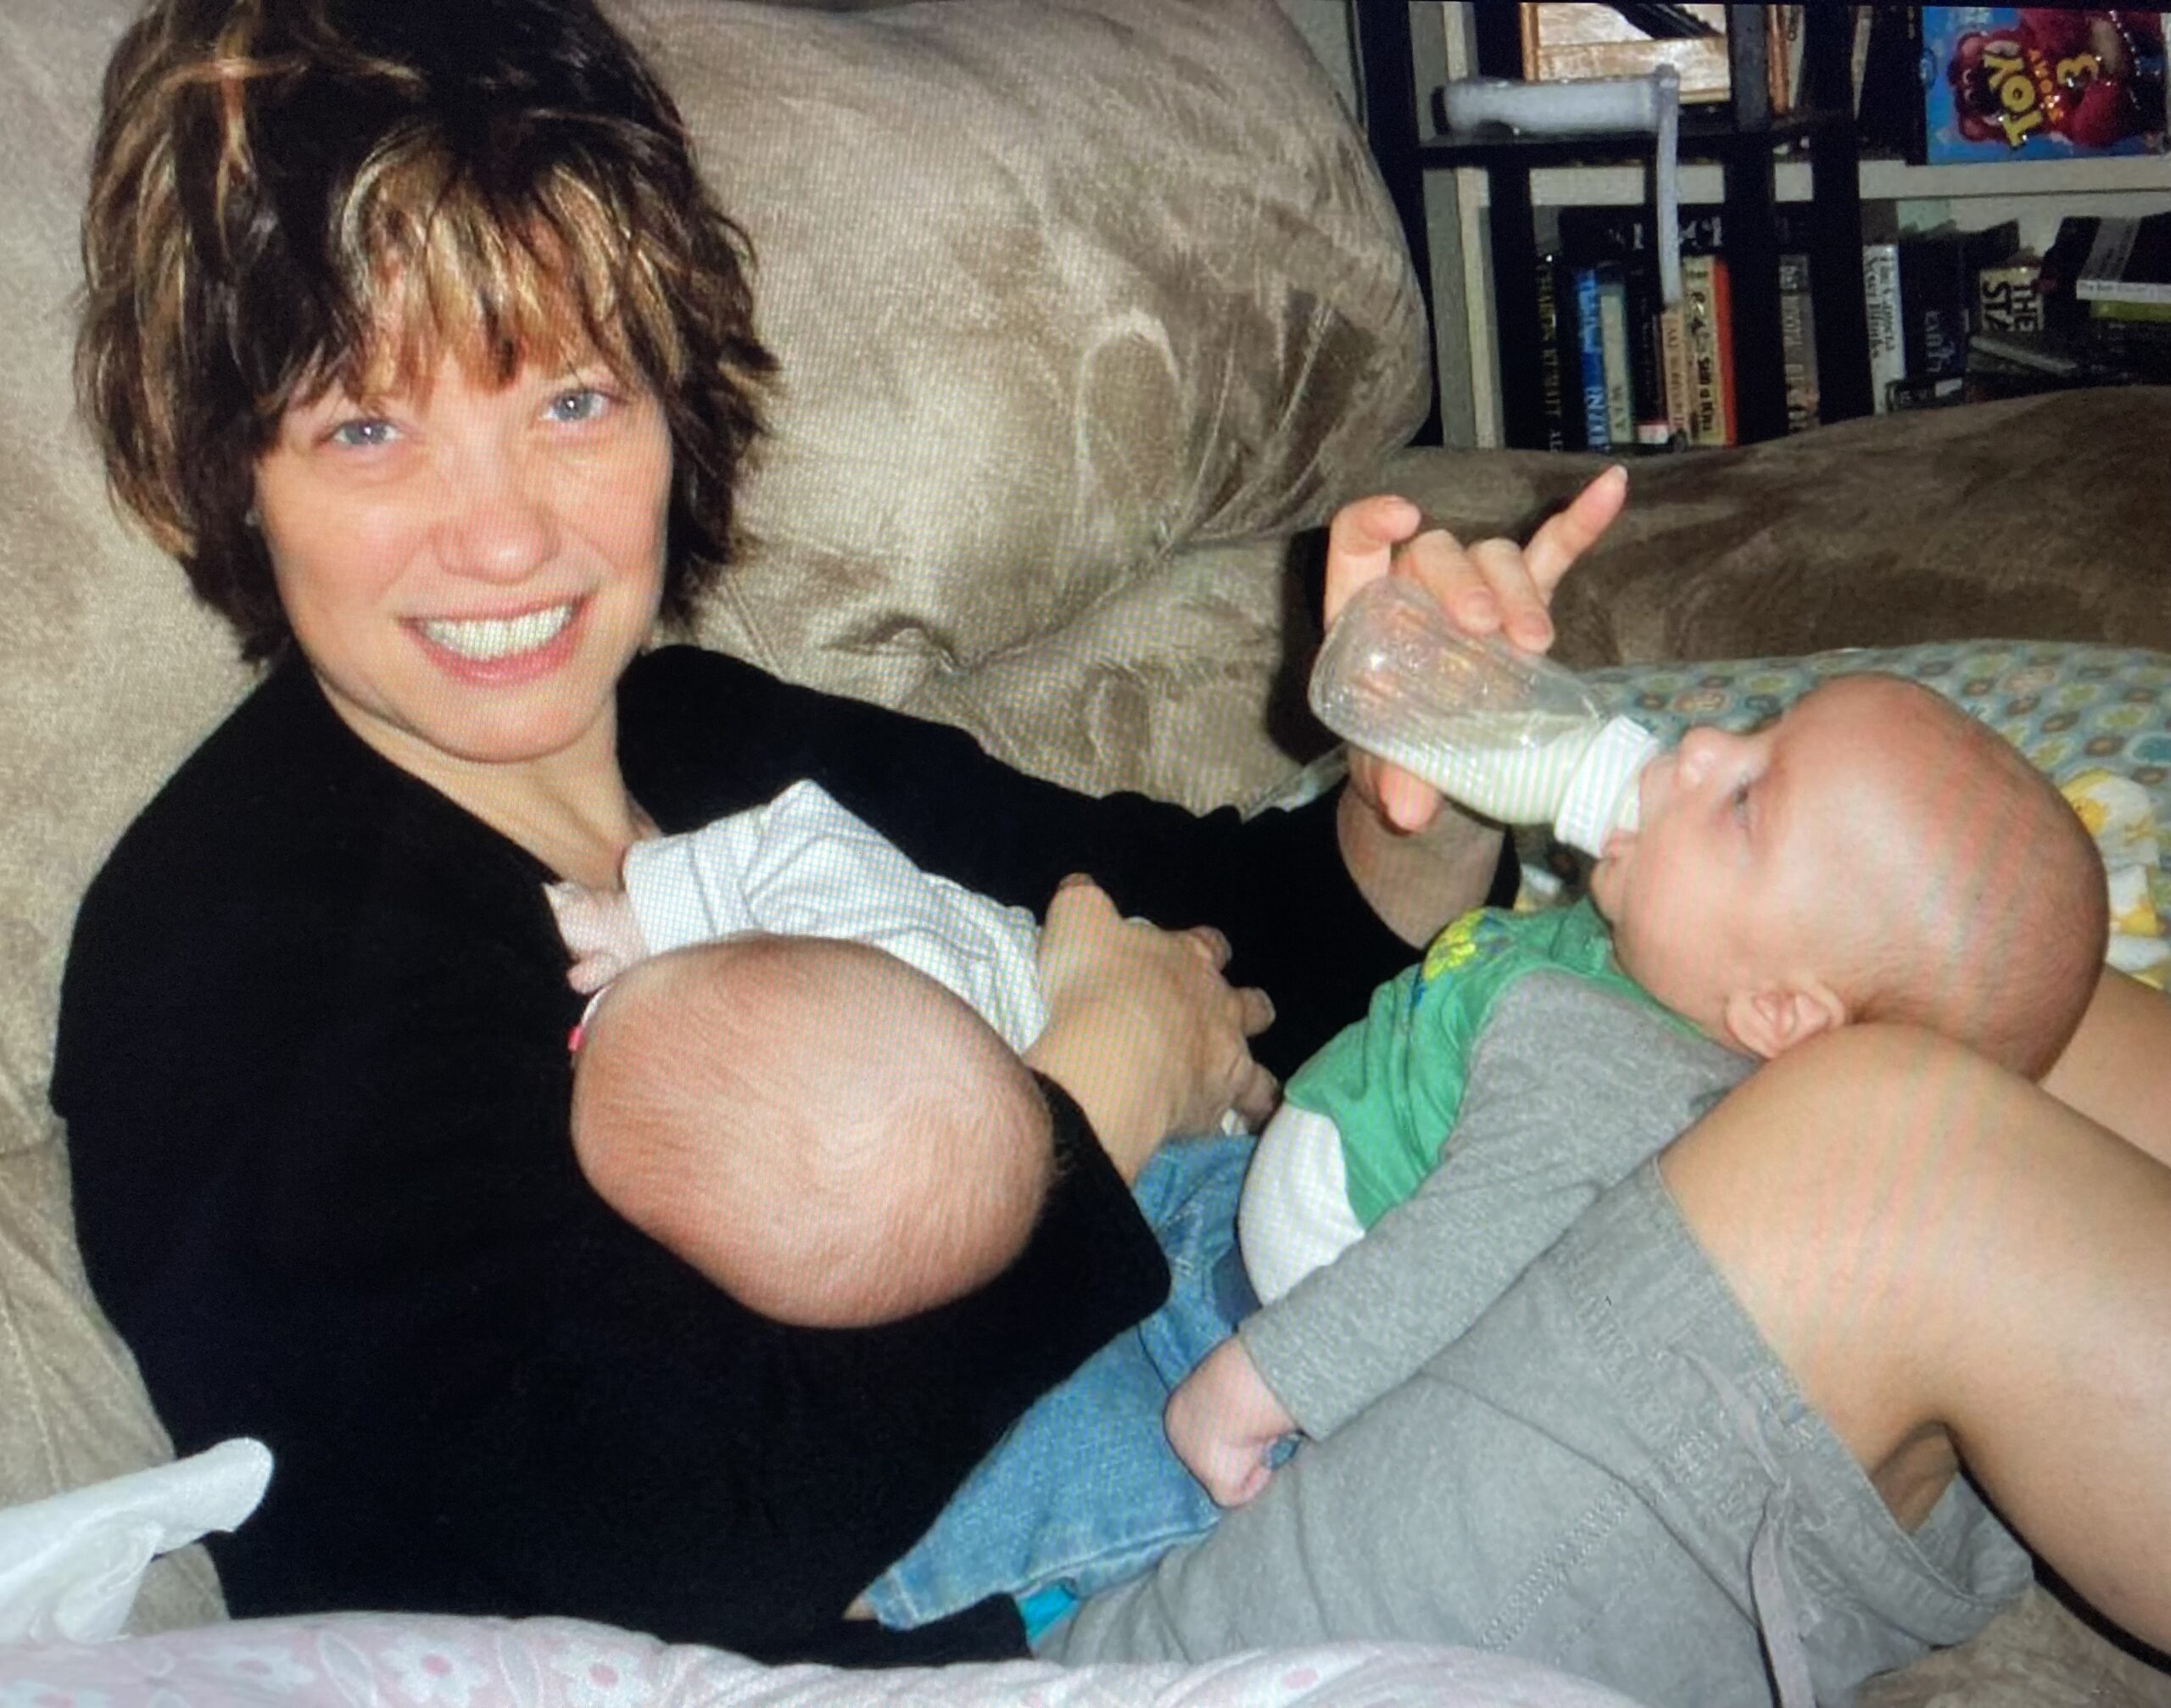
[(1585, 106), (1508, 733)]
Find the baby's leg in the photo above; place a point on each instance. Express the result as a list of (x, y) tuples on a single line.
[(2117, 1070)]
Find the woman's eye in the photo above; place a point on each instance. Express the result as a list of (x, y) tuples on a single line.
[(583, 404), (1738, 800), (365, 434)]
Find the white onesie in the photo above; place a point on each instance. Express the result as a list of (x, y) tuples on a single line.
[(804, 867)]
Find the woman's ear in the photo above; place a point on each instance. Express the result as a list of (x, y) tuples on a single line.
[(1773, 1020)]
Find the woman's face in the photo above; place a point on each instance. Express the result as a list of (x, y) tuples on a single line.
[(468, 568)]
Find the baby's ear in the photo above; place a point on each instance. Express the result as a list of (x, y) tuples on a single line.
[(1773, 1020)]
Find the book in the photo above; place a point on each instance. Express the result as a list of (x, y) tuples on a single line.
[(1562, 42), (1613, 340), (1556, 337), (1934, 300), (2103, 309), (2041, 82), (1590, 348), (1887, 354), (1624, 236), (1788, 56), (1706, 323), (1798, 342), (1938, 293), (2007, 299), (2129, 261), (1927, 391), (1678, 371), (2056, 284), (1858, 54), (1889, 113)]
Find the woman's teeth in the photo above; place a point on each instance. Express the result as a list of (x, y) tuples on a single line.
[(485, 639)]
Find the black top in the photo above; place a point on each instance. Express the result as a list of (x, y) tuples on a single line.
[(313, 1060)]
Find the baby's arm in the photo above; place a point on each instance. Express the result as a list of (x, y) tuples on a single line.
[(599, 929), (1570, 1088), (1223, 1420)]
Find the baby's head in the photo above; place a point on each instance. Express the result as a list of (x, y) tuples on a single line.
[(829, 1135), (1875, 854)]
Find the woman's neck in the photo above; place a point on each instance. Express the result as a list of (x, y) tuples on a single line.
[(570, 809)]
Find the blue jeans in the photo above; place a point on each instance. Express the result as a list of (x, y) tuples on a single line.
[(1084, 1491)]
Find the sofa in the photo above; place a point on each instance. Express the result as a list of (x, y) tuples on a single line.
[(1089, 312)]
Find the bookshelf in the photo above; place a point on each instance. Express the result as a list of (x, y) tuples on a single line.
[(1741, 143)]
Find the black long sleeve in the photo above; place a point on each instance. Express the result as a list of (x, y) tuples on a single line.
[(313, 1062)]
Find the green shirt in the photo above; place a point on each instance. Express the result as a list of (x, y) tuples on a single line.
[(1391, 1082)]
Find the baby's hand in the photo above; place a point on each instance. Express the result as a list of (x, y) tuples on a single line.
[(1223, 1420), (599, 930)]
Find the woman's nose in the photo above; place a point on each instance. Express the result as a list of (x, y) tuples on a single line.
[(497, 522)]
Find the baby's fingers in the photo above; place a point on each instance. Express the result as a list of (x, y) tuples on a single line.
[(1257, 1098)]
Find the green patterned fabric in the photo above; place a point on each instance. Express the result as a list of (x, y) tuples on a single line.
[(1391, 1082)]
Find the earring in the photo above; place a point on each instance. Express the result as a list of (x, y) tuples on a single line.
[(250, 519)]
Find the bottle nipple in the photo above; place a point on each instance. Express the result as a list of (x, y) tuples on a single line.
[(1601, 795)]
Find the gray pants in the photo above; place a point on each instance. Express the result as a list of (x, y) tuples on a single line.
[(1609, 1472)]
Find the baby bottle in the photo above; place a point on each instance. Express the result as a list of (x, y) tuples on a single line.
[(1508, 733)]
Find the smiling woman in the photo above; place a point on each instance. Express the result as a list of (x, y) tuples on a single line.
[(412, 332)]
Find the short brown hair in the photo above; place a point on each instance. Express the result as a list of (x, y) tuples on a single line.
[(287, 194)]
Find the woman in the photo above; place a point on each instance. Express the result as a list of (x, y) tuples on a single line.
[(412, 332)]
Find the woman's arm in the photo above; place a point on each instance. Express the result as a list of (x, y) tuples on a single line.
[(1275, 886)]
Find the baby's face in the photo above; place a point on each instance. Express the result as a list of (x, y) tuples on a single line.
[(1749, 846)]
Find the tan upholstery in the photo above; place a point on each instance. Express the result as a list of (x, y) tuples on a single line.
[(1084, 306)]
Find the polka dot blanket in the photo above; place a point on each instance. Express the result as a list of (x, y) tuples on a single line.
[(337, 1661)]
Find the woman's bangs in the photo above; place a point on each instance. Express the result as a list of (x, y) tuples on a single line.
[(434, 266)]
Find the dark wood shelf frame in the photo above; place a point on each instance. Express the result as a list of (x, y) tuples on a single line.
[(1744, 138)]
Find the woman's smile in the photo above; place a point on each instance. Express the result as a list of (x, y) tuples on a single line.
[(469, 566), (496, 640)]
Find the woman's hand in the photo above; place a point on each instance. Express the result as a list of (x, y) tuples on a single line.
[(1142, 1029), (1418, 868), (1493, 587)]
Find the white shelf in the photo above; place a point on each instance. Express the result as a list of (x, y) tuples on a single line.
[(1882, 180)]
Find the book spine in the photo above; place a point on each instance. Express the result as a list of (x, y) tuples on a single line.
[(1699, 318), (1932, 306), (1678, 370), (1798, 343), (1613, 339), (2123, 291), (1722, 335), (1552, 350), (1887, 357), (1590, 344), (1646, 368), (2008, 299)]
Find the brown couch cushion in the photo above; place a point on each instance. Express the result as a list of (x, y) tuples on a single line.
[(2043, 518)]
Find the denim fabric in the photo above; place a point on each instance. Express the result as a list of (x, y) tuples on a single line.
[(1085, 1492)]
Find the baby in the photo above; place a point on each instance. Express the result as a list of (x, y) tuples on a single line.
[(784, 1081), (1873, 855)]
